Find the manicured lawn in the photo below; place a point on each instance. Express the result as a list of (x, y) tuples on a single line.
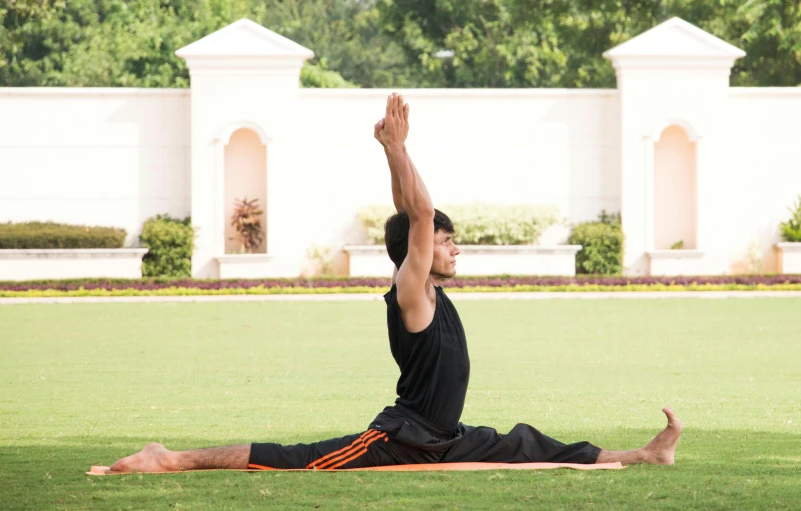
[(83, 385)]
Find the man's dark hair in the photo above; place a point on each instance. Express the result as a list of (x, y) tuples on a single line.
[(396, 233)]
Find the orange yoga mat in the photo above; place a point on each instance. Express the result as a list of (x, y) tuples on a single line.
[(101, 471)]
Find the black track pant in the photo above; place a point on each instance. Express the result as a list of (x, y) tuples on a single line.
[(401, 437)]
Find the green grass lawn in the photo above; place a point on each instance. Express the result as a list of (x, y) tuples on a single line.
[(83, 385)]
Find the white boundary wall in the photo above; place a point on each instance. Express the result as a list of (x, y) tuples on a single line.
[(111, 157), (765, 176), (119, 156), (557, 147)]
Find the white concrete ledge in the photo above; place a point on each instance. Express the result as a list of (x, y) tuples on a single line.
[(671, 263), (675, 254), (67, 263), (787, 246), (559, 260), (244, 266), (789, 257), (72, 253)]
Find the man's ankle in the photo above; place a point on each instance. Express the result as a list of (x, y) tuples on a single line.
[(174, 462), (645, 456)]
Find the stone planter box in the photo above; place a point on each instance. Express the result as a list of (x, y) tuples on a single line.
[(672, 263), (560, 260), (789, 257), (78, 263)]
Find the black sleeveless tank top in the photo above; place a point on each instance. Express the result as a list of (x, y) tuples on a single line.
[(434, 364)]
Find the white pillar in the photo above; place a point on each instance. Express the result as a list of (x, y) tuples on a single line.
[(673, 74), (242, 76)]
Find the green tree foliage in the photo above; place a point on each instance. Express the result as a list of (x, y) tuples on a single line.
[(558, 43), (384, 43), (345, 35), (132, 43)]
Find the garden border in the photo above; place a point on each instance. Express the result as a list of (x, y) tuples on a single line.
[(370, 297)]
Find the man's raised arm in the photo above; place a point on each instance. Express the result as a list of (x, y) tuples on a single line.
[(397, 195), (414, 272)]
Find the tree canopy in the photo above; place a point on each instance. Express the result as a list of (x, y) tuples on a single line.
[(384, 43)]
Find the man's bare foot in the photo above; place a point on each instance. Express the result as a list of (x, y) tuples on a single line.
[(661, 450), (153, 458)]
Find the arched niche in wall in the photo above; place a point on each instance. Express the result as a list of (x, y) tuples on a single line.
[(675, 187), (245, 177)]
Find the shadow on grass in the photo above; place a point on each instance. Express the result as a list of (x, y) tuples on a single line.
[(715, 469)]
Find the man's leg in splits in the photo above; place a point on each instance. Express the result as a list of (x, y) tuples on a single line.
[(352, 451), (156, 458), (659, 451), (525, 444), (522, 444)]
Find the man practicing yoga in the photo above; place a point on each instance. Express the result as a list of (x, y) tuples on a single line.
[(428, 343)]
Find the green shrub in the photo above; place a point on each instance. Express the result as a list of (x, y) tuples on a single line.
[(476, 224), (47, 235), (602, 246), (372, 219), (170, 242), (791, 229)]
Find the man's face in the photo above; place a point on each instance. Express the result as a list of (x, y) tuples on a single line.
[(445, 252)]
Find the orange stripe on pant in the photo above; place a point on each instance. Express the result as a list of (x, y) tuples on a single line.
[(260, 467), (361, 452), (355, 444), (335, 460)]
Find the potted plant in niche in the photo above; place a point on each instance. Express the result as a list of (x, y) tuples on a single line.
[(249, 233), (246, 220), (790, 247)]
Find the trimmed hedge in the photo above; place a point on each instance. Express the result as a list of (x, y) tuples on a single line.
[(51, 235), (476, 224), (602, 246), (170, 242)]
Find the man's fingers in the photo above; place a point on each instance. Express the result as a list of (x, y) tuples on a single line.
[(395, 108), (395, 112), (406, 112)]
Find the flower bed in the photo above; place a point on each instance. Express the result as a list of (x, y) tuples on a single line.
[(172, 287)]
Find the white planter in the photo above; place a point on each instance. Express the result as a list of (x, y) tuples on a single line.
[(672, 263), (789, 257), (560, 260), (41, 264), (244, 266)]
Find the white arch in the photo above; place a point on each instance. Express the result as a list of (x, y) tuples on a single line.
[(691, 132), (225, 136)]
